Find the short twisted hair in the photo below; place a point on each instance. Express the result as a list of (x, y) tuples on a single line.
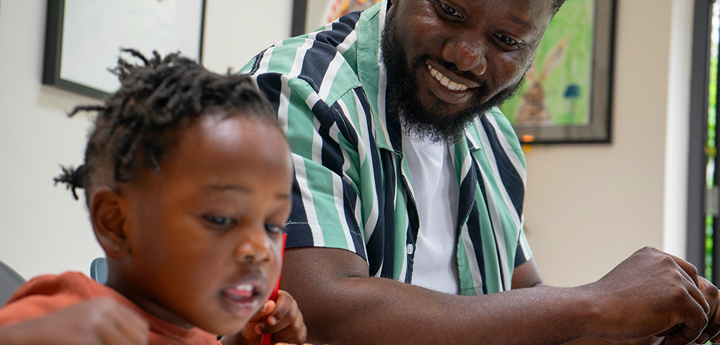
[(137, 124)]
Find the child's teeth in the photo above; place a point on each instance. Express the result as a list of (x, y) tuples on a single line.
[(445, 81), (245, 287)]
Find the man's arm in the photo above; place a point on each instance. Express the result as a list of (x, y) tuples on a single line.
[(645, 295)]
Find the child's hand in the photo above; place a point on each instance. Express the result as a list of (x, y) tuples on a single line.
[(282, 319), (92, 322)]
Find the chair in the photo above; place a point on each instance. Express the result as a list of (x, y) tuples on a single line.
[(98, 270), (9, 282)]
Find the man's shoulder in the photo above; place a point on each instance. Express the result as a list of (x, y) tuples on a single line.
[(323, 62)]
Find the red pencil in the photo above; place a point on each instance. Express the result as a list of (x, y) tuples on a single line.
[(267, 338)]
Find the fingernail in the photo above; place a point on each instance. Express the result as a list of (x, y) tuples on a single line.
[(272, 320)]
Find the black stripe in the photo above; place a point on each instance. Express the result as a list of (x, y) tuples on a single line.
[(519, 255), (473, 226), (467, 195), (271, 85), (349, 203), (256, 64), (316, 62), (388, 233), (508, 174), (412, 230), (340, 30), (298, 230)]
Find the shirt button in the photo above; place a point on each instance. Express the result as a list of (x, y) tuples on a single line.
[(410, 248)]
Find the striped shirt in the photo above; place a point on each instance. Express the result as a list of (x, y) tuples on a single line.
[(352, 186)]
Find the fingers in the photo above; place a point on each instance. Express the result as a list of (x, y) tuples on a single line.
[(264, 312), (689, 271), (691, 326), (285, 322), (117, 324), (711, 293)]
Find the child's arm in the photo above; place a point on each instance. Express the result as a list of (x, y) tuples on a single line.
[(282, 319), (92, 322)]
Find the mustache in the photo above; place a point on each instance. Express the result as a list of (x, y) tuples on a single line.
[(449, 66)]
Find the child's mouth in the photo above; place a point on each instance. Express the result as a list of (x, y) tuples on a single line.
[(241, 299)]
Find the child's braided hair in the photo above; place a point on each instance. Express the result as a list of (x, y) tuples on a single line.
[(137, 123)]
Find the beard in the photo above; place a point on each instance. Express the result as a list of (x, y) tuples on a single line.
[(435, 123)]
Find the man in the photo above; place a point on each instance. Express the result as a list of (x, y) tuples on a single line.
[(407, 215)]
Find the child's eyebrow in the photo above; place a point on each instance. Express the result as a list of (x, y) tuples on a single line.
[(239, 189)]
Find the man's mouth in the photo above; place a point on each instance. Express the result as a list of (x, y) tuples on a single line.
[(445, 81)]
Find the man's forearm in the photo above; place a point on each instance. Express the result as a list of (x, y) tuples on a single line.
[(647, 294)]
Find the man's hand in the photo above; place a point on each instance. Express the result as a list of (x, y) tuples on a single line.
[(652, 292), (94, 322), (712, 331)]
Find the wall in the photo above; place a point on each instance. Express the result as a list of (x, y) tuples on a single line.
[(42, 229), (590, 206)]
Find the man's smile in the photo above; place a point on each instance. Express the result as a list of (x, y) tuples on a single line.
[(448, 86)]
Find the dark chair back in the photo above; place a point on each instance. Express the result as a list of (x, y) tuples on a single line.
[(9, 282)]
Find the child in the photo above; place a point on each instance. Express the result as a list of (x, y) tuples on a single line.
[(188, 179)]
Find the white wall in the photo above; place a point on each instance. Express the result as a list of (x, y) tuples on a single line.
[(42, 229), (590, 206)]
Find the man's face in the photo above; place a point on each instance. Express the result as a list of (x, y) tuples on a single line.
[(449, 60)]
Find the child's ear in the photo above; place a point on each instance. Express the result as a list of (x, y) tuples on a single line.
[(108, 217)]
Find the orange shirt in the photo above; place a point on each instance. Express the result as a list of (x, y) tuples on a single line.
[(46, 294)]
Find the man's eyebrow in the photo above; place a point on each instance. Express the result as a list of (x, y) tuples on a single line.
[(522, 22)]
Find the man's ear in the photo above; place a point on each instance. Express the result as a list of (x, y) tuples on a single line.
[(108, 217)]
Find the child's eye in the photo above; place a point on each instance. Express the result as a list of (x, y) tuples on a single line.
[(217, 220), (274, 229)]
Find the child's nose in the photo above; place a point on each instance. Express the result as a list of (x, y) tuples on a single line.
[(254, 246)]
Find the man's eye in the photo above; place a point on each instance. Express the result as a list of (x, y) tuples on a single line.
[(450, 11), (274, 229), (217, 220), (507, 40)]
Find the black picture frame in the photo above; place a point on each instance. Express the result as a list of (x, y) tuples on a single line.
[(599, 127), (53, 63)]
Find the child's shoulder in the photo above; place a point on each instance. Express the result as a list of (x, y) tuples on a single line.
[(48, 293)]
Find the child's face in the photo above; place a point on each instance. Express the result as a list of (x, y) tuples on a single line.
[(204, 234)]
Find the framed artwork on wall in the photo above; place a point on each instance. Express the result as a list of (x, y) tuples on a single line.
[(566, 96), (83, 38), (308, 15)]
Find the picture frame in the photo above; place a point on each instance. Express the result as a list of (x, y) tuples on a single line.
[(577, 95), (83, 38), (574, 83), (308, 15)]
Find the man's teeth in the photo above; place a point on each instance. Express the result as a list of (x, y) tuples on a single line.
[(445, 81)]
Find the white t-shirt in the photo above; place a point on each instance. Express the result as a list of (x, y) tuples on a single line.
[(435, 187)]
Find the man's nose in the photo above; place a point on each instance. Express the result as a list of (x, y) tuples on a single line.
[(467, 54), (253, 246)]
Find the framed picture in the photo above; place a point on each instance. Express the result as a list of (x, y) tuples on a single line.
[(83, 38), (308, 15), (566, 96)]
